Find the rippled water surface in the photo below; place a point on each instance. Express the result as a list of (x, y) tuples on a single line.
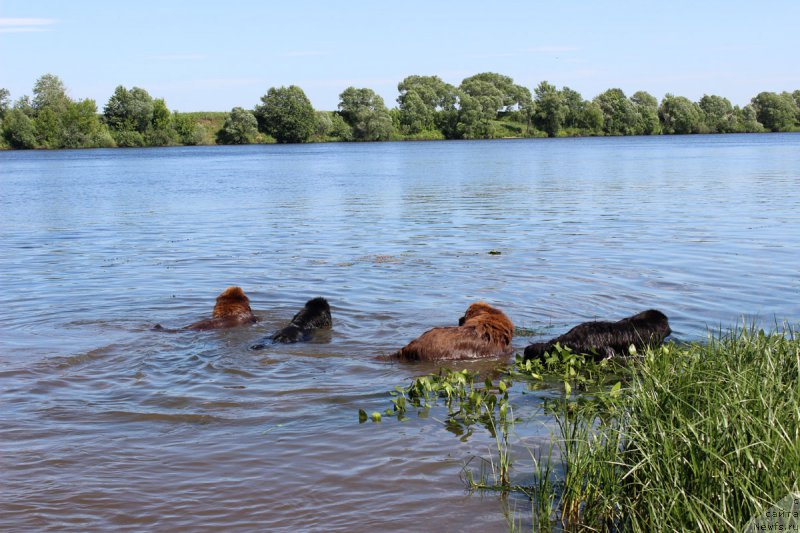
[(106, 424)]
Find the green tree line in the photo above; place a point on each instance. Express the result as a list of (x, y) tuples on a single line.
[(484, 106)]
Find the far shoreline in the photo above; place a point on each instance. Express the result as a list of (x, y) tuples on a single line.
[(487, 106), (403, 141)]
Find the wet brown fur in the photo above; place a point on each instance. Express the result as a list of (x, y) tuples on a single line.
[(232, 309), (483, 331)]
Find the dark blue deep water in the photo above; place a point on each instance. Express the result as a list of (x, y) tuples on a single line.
[(107, 424)]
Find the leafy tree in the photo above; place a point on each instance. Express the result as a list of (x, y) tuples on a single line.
[(777, 112), (129, 111), (415, 115), (646, 106), (49, 92), (426, 103), (792, 103), (48, 129), (644, 99), (719, 114), (24, 104), (435, 93), (483, 97), (19, 130), (796, 98), (580, 116), (552, 108), (53, 120), (81, 127), (188, 131), (136, 119), (323, 125), (49, 110), (479, 104), (161, 115), (680, 115), (340, 129), (592, 118), (141, 109), (161, 132), (394, 114), (128, 138), (620, 116), (5, 102), (474, 118), (747, 121), (241, 127), (286, 114), (492, 85), (574, 106), (366, 113), (485, 91)]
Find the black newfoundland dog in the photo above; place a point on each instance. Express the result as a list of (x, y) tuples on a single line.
[(607, 339), (316, 314)]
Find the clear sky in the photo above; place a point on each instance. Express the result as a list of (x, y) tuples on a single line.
[(211, 56)]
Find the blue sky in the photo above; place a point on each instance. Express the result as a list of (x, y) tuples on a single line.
[(211, 56)]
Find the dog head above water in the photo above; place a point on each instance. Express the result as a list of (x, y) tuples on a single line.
[(652, 321), (231, 309), (232, 302), (316, 314), (478, 309)]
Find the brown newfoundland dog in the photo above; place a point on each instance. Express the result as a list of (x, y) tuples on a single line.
[(483, 331), (232, 309), (607, 339)]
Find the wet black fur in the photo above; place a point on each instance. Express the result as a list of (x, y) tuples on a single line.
[(315, 314), (607, 339)]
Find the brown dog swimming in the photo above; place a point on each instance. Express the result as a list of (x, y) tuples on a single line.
[(483, 331), (607, 339), (232, 309)]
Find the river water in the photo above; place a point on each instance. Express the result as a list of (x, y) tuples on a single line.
[(106, 424)]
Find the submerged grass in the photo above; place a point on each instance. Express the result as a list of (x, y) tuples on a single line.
[(697, 437)]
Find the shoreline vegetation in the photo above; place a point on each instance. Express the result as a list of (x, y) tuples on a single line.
[(695, 437), (484, 106)]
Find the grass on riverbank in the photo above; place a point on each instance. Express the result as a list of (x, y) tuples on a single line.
[(703, 437), (698, 437), (211, 121)]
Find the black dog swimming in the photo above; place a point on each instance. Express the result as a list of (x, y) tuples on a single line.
[(316, 314), (607, 339)]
